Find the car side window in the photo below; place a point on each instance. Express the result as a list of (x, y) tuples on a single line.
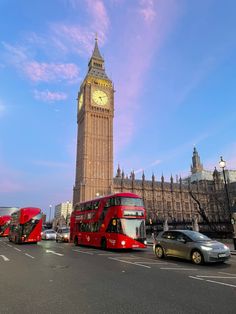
[(168, 235), (180, 237)]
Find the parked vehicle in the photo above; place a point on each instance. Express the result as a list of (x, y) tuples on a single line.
[(190, 245), (63, 234), (49, 234)]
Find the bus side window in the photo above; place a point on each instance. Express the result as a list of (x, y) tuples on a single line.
[(108, 203), (112, 227)]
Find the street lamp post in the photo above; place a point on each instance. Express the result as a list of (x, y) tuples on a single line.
[(50, 208), (222, 164)]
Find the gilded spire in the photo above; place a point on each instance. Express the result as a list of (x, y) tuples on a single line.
[(96, 53), (96, 63)]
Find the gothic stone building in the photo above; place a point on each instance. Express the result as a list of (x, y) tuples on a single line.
[(201, 196)]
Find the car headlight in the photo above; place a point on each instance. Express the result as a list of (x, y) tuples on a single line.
[(123, 242), (66, 236), (226, 247), (145, 242), (206, 248)]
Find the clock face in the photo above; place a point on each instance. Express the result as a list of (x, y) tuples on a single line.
[(100, 97), (81, 98)]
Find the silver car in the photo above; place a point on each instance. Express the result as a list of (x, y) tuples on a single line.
[(63, 234), (190, 245), (49, 234)]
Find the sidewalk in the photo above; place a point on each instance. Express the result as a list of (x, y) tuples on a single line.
[(227, 242)]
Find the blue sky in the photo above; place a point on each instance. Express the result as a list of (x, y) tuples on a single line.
[(173, 66)]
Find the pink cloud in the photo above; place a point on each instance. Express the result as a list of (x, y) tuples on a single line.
[(100, 22), (46, 72), (139, 45), (147, 10), (48, 96), (40, 72), (78, 38)]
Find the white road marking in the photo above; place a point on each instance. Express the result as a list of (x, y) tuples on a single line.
[(221, 272), (55, 253), (29, 255), (17, 249), (153, 263), (127, 262), (177, 268), (89, 253), (9, 245), (5, 258), (221, 283), (217, 277)]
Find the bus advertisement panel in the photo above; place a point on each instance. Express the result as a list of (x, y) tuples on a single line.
[(4, 225), (26, 225), (111, 222)]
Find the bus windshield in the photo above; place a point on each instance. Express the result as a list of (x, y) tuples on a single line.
[(133, 228), (128, 201)]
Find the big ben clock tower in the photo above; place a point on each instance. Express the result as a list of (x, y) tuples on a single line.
[(94, 162)]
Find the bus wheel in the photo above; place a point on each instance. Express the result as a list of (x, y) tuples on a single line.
[(76, 243), (104, 244)]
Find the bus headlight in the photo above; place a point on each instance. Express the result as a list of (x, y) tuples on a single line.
[(123, 242)]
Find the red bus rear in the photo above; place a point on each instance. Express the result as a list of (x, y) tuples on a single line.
[(4, 225), (112, 222), (26, 225)]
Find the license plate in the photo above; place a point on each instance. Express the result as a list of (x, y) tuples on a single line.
[(222, 255)]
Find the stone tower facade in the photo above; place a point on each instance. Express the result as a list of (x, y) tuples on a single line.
[(94, 162)]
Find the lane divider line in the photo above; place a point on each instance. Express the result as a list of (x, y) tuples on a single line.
[(127, 262), (178, 268), (5, 258), (15, 248), (29, 255), (55, 253)]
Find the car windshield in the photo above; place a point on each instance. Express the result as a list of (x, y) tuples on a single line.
[(66, 230), (196, 236)]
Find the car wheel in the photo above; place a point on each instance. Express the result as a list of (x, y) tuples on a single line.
[(159, 251), (197, 257), (104, 244), (56, 240)]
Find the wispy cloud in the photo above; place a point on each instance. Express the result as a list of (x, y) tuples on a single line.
[(40, 72), (147, 10), (146, 167), (48, 96), (80, 39), (48, 72), (100, 19), (138, 47)]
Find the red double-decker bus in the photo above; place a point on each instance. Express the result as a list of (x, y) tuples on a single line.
[(4, 225), (26, 225), (112, 222)]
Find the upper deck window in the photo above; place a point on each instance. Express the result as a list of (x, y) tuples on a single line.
[(126, 201)]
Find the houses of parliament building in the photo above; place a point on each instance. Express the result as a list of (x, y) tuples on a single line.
[(201, 196)]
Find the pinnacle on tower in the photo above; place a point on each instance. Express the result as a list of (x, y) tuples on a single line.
[(96, 63), (196, 163)]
